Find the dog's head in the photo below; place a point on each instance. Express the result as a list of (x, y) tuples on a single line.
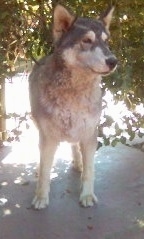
[(82, 42)]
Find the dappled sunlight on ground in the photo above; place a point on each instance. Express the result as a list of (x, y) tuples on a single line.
[(25, 154), (21, 167), (140, 223), (119, 186)]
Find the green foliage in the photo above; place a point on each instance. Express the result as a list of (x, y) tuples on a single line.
[(26, 33), (131, 126)]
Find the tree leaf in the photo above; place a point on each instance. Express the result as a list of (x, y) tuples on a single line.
[(123, 140)]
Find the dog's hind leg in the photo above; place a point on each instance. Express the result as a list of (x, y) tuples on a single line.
[(88, 148), (47, 150), (77, 157)]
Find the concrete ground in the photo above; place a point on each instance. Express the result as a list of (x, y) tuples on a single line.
[(119, 187)]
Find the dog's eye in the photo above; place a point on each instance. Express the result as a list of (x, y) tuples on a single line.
[(87, 41)]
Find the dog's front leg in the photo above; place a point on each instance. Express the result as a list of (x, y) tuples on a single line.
[(47, 151), (88, 148)]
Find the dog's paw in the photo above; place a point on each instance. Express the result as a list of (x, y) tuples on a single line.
[(88, 200), (40, 202)]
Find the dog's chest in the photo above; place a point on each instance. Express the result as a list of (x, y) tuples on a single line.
[(74, 112)]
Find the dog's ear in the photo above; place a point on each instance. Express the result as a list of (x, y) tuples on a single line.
[(62, 21), (106, 17)]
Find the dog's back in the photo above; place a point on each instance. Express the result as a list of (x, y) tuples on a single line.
[(65, 93)]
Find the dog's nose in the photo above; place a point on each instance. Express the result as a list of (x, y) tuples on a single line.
[(111, 62)]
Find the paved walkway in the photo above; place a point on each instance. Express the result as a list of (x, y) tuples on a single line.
[(119, 186)]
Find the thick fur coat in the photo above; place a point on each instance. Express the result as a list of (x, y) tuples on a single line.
[(65, 96)]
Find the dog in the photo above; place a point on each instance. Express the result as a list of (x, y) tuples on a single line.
[(65, 96)]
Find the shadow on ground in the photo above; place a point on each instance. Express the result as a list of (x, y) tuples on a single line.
[(119, 187)]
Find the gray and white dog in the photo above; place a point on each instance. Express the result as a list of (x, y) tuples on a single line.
[(65, 96)]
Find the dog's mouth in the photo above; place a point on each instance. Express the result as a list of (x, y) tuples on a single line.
[(104, 73), (109, 72)]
